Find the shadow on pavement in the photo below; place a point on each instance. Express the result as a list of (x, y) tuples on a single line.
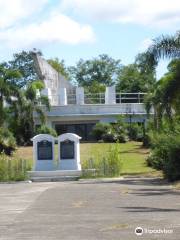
[(149, 209), (155, 192), (127, 181)]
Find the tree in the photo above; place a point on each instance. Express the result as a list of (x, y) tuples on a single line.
[(7, 89), (99, 71), (28, 103), (59, 66), (165, 96), (134, 78), (24, 63), (164, 47)]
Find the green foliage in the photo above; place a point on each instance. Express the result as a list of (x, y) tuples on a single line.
[(24, 63), (106, 165), (135, 132), (43, 129), (28, 103), (100, 129), (111, 132), (164, 47), (7, 89), (59, 66), (95, 87), (120, 130), (102, 70), (165, 155), (13, 169), (7, 141), (132, 79)]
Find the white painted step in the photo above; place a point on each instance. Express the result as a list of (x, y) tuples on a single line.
[(58, 175)]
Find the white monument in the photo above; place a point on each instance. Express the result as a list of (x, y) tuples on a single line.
[(43, 152), (69, 152)]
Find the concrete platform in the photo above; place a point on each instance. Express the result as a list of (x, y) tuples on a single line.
[(53, 176)]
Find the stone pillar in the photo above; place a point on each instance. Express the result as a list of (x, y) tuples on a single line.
[(110, 95), (47, 92), (62, 97), (80, 95)]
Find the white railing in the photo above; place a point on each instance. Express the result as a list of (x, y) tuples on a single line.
[(71, 98), (99, 98), (130, 97), (94, 98)]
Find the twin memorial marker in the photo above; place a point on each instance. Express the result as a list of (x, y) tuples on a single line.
[(68, 152)]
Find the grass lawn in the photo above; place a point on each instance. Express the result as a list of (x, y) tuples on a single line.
[(132, 155)]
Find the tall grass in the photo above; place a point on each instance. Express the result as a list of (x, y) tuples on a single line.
[(13, 169), (108, 164)]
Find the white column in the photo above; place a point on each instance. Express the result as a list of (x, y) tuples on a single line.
[(62, 97), (110, 95), (80, 95), (47, 92)]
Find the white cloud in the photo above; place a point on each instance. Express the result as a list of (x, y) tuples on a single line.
[(57, 28), (13, 10), (162, 13)]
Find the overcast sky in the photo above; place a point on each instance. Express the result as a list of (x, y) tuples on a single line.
[(73, 29)]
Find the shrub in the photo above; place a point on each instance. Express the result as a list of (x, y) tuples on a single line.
[(165, 155), (43, 129), (110, 132), (7, 141), (135, 132), (120, 132), (100, 129)]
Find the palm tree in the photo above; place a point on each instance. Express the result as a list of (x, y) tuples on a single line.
[(23, 109), (165, 96), (7, 89), (164, 47)]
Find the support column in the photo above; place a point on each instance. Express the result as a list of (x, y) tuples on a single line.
[(62, 97), (47, 92), (80, 95), (110, 95)]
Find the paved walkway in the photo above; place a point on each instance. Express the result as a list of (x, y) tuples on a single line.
[(89, 210)]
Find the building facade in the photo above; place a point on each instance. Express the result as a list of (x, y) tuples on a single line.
[(74, 111)]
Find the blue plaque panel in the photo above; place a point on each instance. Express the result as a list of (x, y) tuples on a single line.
[(44, 150), (67, 149)]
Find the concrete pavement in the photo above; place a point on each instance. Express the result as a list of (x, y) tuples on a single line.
[(89, 210)]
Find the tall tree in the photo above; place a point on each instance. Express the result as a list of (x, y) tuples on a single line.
[(24, 63), (102, 70), (28, 103), (164, 47), (165, 96), (7, 89), (135, 78)]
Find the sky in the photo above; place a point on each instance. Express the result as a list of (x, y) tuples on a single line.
[(74, 29)]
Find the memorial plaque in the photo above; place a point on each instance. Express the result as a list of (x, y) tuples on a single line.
[(67, 149), (44, 150)]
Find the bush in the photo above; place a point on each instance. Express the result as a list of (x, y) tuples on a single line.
[(120, 132), (7, 141), (135, 132), (100, 129), (110, 132), (46, 130), (165, 155)]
